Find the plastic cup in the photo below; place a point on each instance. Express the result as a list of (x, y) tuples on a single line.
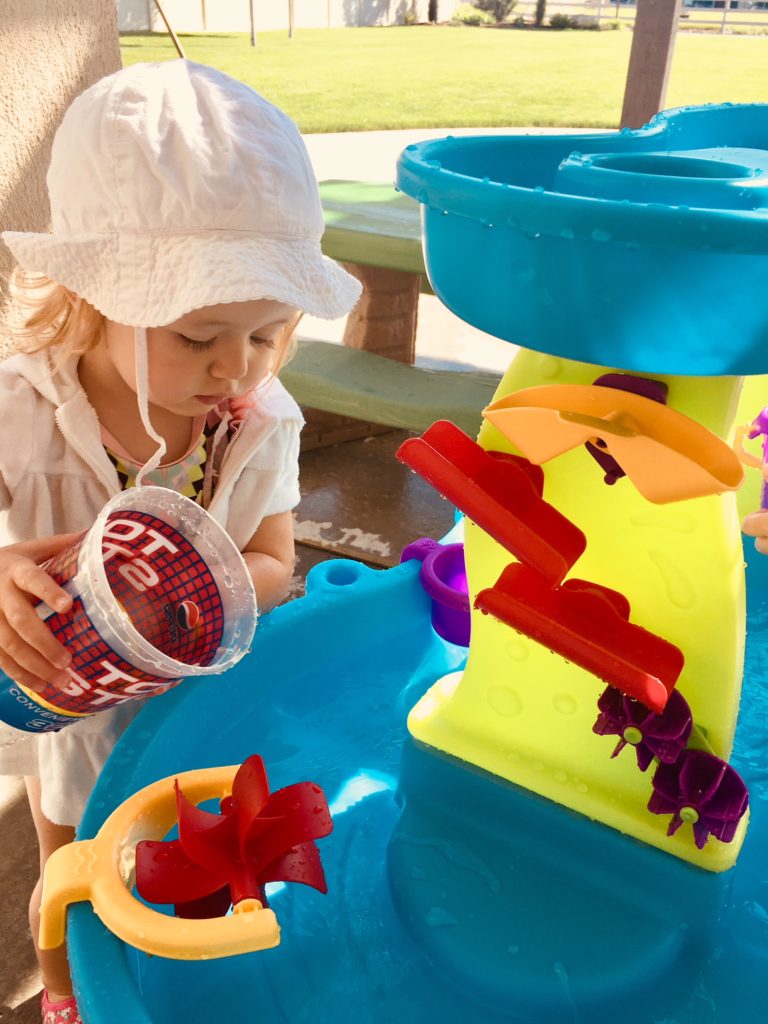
[(160, 592), (443, 577)]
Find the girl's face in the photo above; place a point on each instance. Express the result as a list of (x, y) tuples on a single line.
[(208, 355)]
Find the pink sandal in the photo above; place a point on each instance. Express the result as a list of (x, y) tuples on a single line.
[(63, 1012)]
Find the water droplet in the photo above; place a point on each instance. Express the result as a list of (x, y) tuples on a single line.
[(438, 917), (505, 701), (566, 233), (539, 189), (517, 648), (601, 235), (565, 703)]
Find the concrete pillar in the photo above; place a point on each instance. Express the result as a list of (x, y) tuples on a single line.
[(50, 51)]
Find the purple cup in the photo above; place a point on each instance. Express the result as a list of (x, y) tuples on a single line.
[(444, 578)]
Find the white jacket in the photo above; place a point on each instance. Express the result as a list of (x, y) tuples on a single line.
[(55, 477)]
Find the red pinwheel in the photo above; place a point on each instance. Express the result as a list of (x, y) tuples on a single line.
[(664, 735), (222, 859), (703, 791)]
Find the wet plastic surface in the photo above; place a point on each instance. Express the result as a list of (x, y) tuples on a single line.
[(452, 895), (654, 215)]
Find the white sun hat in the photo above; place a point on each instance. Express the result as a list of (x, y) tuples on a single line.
[(173, 187)]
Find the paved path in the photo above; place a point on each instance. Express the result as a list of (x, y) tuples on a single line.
[(442, 338)]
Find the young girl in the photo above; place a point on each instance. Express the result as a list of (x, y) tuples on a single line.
[(185, 246)]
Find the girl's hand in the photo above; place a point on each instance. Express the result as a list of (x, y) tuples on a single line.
[(29, 653), (756, 525)]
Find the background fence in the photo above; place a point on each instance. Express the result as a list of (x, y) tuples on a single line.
[(703, 15)]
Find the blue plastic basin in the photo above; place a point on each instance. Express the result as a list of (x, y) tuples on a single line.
[(452, 895), (645, 250)]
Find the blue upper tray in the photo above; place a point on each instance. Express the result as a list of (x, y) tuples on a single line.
[(645, 250)]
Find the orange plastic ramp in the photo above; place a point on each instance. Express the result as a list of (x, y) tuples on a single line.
[(666, 455)]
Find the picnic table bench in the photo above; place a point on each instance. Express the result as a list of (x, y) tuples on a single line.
[(369, 383)]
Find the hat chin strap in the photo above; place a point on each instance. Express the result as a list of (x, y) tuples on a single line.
[(142, 394)]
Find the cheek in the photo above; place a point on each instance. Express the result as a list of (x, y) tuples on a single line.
[(264, 360), (123, 359), (169, 366)]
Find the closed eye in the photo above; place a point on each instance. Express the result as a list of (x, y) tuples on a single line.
[(202, 346), (197, 346)]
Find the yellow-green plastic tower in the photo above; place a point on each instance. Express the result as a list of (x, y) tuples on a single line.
[(523, 713)]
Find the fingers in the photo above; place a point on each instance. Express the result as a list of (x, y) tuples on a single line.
[(20, 675), (26, 663), (32, 653), (756, 525), (45, 547), (31, 579), (29, 652)]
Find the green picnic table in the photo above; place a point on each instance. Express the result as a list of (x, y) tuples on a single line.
[(375, 231), (373, 224)]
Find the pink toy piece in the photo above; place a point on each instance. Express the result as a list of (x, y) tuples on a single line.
[(587, 624), (499, 492)]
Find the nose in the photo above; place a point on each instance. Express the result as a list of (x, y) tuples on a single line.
[(231, 362)]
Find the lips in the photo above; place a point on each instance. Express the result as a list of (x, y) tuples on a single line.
[(212, 399)]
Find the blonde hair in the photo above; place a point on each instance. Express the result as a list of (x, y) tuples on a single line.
[(289, 344), (50, 315)]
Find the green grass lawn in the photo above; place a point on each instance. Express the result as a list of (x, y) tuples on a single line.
[(359, 79)]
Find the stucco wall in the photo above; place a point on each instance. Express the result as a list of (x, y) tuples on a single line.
[(50, 50)]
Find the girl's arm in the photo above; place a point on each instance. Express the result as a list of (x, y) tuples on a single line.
[(270, 555)]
